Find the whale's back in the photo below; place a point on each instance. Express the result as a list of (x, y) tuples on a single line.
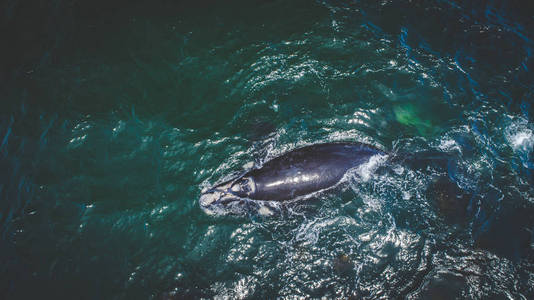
[(308, 169)]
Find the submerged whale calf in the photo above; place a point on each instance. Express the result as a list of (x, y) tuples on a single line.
[(295, 174)]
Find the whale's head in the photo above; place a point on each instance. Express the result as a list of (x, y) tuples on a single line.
[(230, 197)]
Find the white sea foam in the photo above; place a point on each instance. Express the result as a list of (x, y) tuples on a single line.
[(523, 140), (366, 170), (449, 145), (520, 136)]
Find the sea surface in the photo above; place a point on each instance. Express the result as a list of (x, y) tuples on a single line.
[(115, 115)]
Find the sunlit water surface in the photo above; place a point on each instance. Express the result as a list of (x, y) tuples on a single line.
[(106, 145)]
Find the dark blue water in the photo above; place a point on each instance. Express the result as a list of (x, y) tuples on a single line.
[(116, 115)]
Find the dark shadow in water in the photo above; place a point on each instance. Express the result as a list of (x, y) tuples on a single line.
[(508, 233), (449, 200)]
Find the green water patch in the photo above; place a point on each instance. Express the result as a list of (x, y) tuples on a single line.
[(409, 115)]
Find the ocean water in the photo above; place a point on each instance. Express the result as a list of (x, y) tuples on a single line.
[(115, 116)]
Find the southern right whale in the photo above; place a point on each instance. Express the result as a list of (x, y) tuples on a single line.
[(295, 174)]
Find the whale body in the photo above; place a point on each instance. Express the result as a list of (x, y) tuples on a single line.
[(295, 174)]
